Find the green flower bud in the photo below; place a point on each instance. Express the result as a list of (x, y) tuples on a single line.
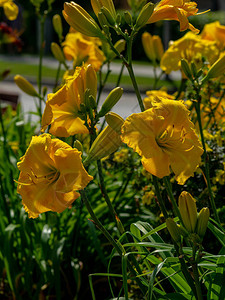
[(128, 17), (25, 86), (113, 97), (185, 68), (57, 52), (107, 142), (144, 15), (203, 218), (108, 16), (188, 211), (114, 121), (77, 144), (173, 230), (57, 25)]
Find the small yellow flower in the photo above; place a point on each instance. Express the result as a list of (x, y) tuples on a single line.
[(178, 10), (62, 108), (214, 32), (190, 47), (121, 156), (148, 197), (51, 173), (11, 10), (165, 138), (81, 49), (155, 93)]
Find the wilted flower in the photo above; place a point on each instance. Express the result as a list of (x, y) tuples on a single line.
[(62, 108), (190, 47), (11, 10), (178, 10), (165, 138), (81, 49), (51, 173)]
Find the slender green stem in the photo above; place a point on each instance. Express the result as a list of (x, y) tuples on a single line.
[(98, 223), (106, 197), (102, 83), (120, 76), (159, 196), (205, 157), (41, 53), (184, 270), (57, 75), (109, 237), (197, 283), (170, 193)]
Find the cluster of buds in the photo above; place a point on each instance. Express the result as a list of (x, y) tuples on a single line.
[(107, 16), (194, 224)]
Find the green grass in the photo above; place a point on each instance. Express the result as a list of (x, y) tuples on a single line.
[(26, 70), (31, 70)]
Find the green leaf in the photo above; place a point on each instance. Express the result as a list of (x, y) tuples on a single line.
[(218, 288)]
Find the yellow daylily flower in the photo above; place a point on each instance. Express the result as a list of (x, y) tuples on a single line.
[(51, 173), (214, 32), (11, 10), (80, 49), (190, 47), (165, 138), (62, 108), (151, 96), (178, 10)]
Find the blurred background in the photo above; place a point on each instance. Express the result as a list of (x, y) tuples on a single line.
[(27, 25)]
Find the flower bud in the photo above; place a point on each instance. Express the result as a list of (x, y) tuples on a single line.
[(217, 69), (113, 97), (144, 15), (188, 211), (158, 47), (173, 230), (185, 68), (106, 143), (148, 46), (108, 16), (128, 17), (102, 19), (91, 80), (57, 52), (57, 25), (108, 4), (80, 20), (77, 144), (25, 86), (203, 218), (118, 19), (114, 121), (120, 47)]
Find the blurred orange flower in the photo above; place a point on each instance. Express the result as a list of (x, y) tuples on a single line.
[(214, 32), (51, 173), (83, 49), (178, 10), (165, 138)]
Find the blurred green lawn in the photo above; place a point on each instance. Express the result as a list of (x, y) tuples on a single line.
[(30, 71)]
